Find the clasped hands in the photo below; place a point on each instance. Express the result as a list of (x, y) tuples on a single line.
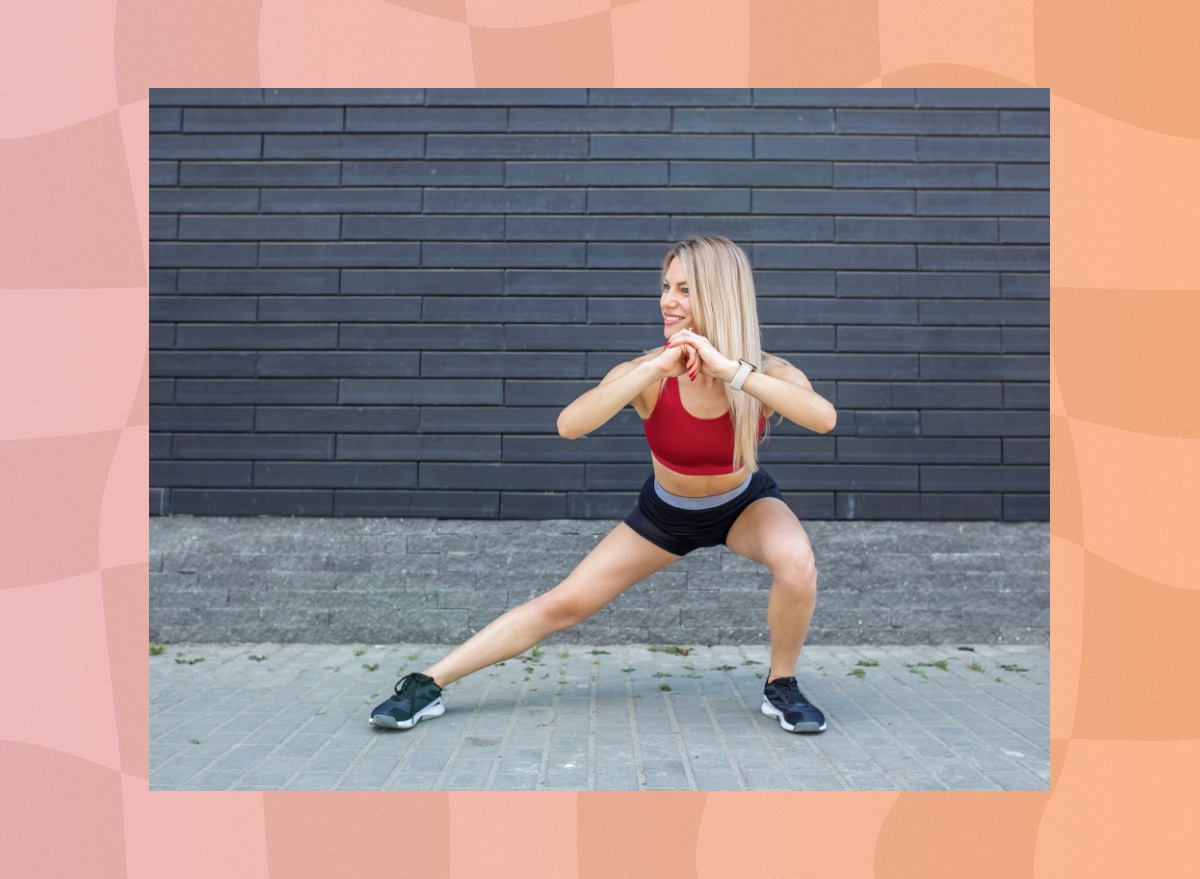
[(690, 352)]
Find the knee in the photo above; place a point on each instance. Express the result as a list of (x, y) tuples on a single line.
[(796, 573), (556, 610)]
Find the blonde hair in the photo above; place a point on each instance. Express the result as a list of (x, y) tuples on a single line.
[(723, 308)]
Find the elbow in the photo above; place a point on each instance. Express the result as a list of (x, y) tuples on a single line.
[(566, 430), (829, 422)]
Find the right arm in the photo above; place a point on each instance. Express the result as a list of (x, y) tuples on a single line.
[(624, 384)]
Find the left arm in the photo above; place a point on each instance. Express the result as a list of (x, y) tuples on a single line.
[(778, 385)]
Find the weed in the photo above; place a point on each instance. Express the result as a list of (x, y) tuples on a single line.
[(975, 666), (194, 741), (536, 652), (561, 680), (180, 661), (412, 657), (663, 674), (671, 648), (597, 652), (943, 664), (372, 666), (156, 649), (665, 687), (1013, 667), (258, 658), (869, 663), (998, 680), (689, 667), (723, 668), (627, 668), (857, 672), (751, 662), (359, 652), (564, 654), (918, 671), (595, 662)]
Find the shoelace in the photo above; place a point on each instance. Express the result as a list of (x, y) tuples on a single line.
[(403, 683), (789, 692)]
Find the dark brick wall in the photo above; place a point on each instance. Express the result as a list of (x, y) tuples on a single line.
[(376, 302)]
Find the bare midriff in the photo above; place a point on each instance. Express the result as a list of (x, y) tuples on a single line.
[(697, 486)]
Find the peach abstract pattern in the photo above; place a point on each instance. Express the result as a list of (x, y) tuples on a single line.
[(74, 392)]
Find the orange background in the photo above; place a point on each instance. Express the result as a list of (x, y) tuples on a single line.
[(1125, 437)]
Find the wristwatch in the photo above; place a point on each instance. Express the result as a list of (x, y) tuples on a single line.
[(739, 377)]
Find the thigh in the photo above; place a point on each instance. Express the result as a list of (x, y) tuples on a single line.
[(768, 532), (617, 562)]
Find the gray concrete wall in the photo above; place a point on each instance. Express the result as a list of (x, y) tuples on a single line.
[(387, 581)]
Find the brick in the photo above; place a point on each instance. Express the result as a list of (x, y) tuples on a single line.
[(219, 201), (916, 121), (586, 228), (832, 201), (706, 120), (621, 256), (219, 446), (270, 390), (898, 175), (425, 119), (1024, 231), (262, 174), (583, 283), (856, 366), (947, 395), (423, 228), (600, 505), (338, 364), (419, 337), (982, 258), (1028, 122), (164, 173), (837, 311), (160, 446), (162, 336), (214, 97), (549, 477), (533, 337), (532, 505), (590, 173), (205, 146), (801, 283), (351, 254), (750, 229), (1027, 395), (163, 228), (923, 339), (918, 451), (422, 173), (671, 146), (487, 309), (506, 97), (340, 419), (960, 506), (334, 475), (1023, 176), (859, 477), (506, 365), (258, 281), (589, 119), (262, 119), (985, 423), (343, 146), (285, 309), (902, 229), (984, 97), (545, 393), (181, 255), (477, 419), (1026, 340), (426, 282), (588, 449), (375, 200), (889, 424), (799, 338), (218, 502), (521, 256), (258, 228), (836, 147), (1026, 451), (507, 146), (834, 97), (984, 203), (983, 149), (1015, 367), (1024, 507), (835, 256), (256, 336), (435, 447), (506, 201), (187, 418), (164, 364), (669, 201), (399, 391), (200, 473), (342, 97), (878, 505), (764, 174), (1025, 285), (667, 97), (997, 313), (918, 284), (984, 478)]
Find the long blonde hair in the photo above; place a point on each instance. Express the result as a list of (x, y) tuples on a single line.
[(723, 307)]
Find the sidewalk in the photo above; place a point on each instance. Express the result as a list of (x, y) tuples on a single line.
[(629, 717)]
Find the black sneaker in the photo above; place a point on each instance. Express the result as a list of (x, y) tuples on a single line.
[(783, 699), (416, 697)]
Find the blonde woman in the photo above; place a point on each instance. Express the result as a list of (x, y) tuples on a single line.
[(706, 488)]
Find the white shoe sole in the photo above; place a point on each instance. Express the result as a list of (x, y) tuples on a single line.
[(433, 709), (771, 711)]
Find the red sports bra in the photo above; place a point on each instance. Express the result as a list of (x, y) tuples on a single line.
[(687, 444)]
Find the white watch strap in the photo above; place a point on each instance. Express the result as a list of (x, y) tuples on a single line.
[(739, 377)]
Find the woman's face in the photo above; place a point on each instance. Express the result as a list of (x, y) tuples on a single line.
[(675, 302)]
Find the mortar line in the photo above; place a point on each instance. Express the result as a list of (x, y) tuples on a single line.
[(441, 779), (629, 707), (506, 737), (725, 749), (687, 764)]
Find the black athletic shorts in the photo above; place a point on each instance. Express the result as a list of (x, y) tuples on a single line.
[(679, 530)]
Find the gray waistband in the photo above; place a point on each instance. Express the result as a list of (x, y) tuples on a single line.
[(700, 503)]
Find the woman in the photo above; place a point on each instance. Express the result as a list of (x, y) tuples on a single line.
[(706, 487)]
